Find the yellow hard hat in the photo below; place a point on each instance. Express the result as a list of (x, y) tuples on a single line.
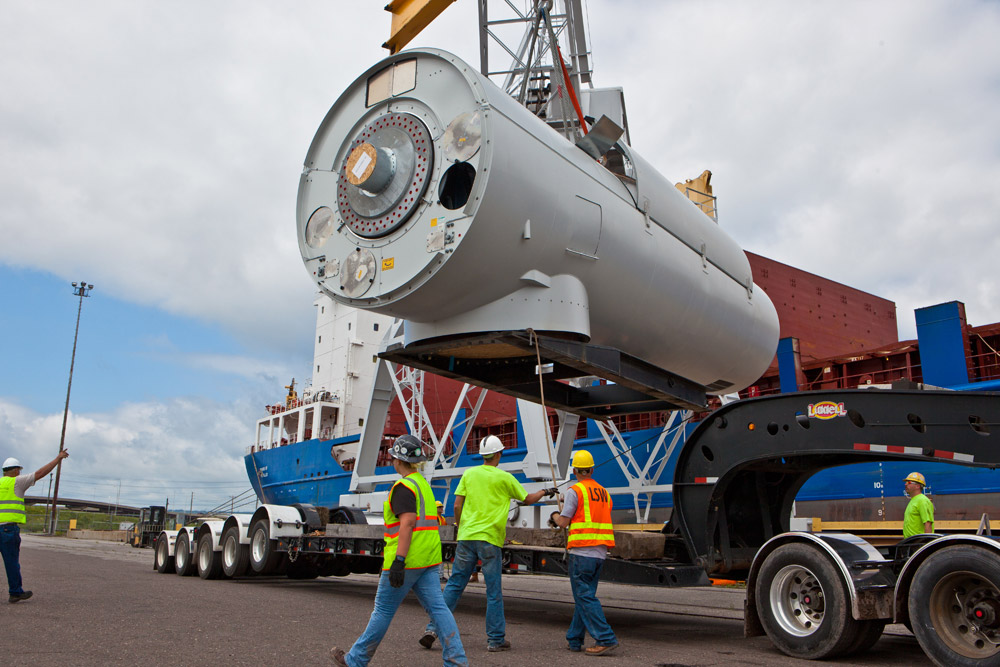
[(583, 459), (439, 504), (915, 477)]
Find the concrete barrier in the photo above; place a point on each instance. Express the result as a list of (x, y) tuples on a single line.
[(106, 535)]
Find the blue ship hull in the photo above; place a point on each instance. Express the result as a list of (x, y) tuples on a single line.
[(305, 472)]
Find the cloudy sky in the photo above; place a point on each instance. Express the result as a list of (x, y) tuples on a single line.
[(153, 149)]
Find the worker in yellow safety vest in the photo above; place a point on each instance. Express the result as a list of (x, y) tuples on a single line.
[(411, 560), (587, 513), (13, 486)]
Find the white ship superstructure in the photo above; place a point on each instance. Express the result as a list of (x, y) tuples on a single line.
[(334, 404), (344, 360)]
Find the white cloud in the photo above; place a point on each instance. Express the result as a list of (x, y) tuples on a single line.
[(159, 151), (853, 140), (246, 367), (156, 450)]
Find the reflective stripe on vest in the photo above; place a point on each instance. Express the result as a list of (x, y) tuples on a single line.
[(591, 524), (11, 507), (425, 544)]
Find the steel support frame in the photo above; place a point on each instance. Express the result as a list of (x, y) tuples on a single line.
[(546, 461), (399, 381), (633, 385), (644, 481)]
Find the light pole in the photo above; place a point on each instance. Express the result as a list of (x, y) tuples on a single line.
[(81, 290)]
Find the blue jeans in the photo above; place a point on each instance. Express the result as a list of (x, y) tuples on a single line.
[(426, 583), (467, 554), (584, 575), (10, 547)]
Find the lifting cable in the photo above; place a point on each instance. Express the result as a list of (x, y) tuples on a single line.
[(545, 415)]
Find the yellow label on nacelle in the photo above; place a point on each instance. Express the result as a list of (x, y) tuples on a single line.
[(434, 222), (388, 263)]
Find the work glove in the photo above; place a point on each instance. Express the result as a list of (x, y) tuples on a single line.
[(397, 571), (552, 520), (549, 493)]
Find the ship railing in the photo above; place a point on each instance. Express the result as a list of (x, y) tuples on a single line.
[(986, 366), (319, 397), (291, 440)]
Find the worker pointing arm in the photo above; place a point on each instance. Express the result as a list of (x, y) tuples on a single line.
[(48, 467), (13, 486)]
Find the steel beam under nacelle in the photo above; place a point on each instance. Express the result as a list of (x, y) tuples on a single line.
[(637, 386)]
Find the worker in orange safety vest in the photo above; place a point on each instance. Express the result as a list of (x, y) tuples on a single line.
[(587, 513)]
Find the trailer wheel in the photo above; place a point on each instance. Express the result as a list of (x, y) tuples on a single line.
[(803, 604), (335, 566), (184, 564), (209, 560), (366, 565), (264, 555), (954, 606), (235, 556), (868, 635), (164, 563), (348, 515), (302, 568)]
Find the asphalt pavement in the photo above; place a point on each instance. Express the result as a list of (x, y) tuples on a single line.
[(100, 603)]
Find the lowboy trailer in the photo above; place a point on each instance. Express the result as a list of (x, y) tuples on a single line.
[(815, 596)]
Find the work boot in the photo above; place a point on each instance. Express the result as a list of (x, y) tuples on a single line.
[(427, 640), (601, 649), (337, 656), (17, 597), (495, 648)]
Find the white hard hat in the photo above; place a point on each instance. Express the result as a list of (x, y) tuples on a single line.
[(12, 463), (490, 445)]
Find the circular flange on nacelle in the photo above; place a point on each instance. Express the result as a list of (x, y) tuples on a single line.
[(387, 190)]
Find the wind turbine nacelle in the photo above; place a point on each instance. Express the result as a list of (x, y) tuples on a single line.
[(431, 195)]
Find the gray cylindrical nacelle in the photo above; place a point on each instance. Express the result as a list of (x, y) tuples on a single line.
[(431, 195)]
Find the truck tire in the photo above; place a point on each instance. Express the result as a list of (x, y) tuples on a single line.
[(302, 568), (347, 515), (184, 564), (366, 564), (209, 560), (264, 555), (235, 556), (868, 635), (803, 604), (161, 556), (335, 566), (954, 605)]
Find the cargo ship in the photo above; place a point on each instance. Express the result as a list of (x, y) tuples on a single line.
[(832, 337)]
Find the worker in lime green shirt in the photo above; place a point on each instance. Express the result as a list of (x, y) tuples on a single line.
[(918, 518), (482, 503)]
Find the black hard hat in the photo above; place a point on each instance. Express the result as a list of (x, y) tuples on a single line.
[(408, 448)]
